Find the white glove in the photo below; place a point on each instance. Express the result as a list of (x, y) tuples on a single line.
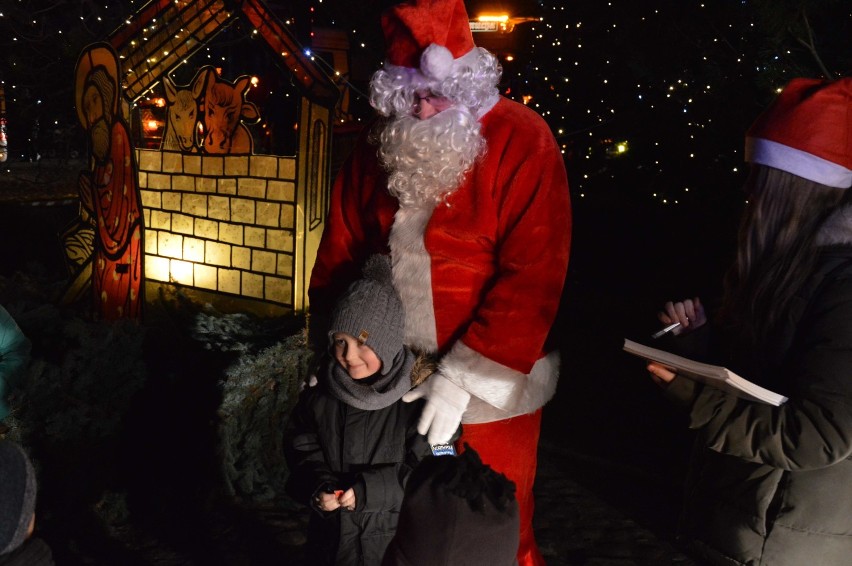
[(445, 404)]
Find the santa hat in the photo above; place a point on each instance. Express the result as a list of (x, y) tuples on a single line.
[(807, 131), (432, 36)]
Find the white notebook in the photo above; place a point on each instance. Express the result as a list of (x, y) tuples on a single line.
[(717, 376)]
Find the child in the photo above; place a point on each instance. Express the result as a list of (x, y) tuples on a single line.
[(17, 510), (351, 442)]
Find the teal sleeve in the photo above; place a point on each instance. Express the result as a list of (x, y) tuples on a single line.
[(14, 356)]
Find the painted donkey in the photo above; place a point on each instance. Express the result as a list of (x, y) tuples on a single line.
[(182, 117), (225, 111)]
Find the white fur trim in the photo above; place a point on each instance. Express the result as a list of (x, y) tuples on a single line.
[(406, 75), (436, 62), (497, 392), (487, 106), (412, 276), (797, 162), (503, 392)]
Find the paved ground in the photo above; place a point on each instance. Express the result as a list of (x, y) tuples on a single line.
[(574, 525)]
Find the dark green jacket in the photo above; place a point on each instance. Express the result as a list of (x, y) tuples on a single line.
[(773, 485), (34, 552)]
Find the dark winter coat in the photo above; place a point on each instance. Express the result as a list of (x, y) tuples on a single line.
[(34, 552), (331, 445), (773, 485)]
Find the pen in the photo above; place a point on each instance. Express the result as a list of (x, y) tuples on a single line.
[(665, 330)]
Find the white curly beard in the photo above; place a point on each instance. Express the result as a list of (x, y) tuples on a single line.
[(428, 159)]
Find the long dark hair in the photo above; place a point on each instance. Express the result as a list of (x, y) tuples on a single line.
[(776, 251)]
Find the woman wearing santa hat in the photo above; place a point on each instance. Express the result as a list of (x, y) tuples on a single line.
[(468, 192), (773, 484)]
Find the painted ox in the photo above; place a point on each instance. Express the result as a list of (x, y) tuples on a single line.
[(225, 111), (182, 116)]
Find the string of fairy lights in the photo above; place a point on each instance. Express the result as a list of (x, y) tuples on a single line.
[(646, 99), (587, 81)]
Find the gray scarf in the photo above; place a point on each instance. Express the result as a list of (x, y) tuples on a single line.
[(383, 392)]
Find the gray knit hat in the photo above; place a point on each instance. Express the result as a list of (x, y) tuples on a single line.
[(17, 496), (371, 311)]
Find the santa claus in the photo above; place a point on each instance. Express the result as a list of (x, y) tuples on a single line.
[(467, 191)]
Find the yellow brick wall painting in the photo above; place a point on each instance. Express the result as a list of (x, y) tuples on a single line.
[(241, 257), (206, 184), (194, 204), (252, 285), (150, 161), (252, 187), (191, 163), (222, 224), (172, 162), (183, 224), (237, 165), (185, 183), (160, 220)]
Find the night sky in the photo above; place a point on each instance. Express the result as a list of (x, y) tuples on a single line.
[(658, 90), (648, 100)]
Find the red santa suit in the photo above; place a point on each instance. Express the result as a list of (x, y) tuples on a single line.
[(480, 275)]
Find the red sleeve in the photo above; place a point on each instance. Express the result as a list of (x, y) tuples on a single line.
[(534, 237), (359, 218), (500, 357)]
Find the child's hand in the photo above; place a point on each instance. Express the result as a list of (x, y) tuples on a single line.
[(327, 502), (347, 499)]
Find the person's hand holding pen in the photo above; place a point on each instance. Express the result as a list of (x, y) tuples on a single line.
[(682, 316)]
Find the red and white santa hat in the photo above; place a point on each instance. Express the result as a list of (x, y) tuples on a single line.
[(429, 36), (807, 131)]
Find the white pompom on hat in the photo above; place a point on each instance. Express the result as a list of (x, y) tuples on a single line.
[(807, 131), (431, 36)]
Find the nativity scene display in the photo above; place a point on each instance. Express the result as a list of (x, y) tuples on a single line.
[(200, 209)]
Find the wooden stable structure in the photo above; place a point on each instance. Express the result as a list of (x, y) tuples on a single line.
[(240, 231)]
